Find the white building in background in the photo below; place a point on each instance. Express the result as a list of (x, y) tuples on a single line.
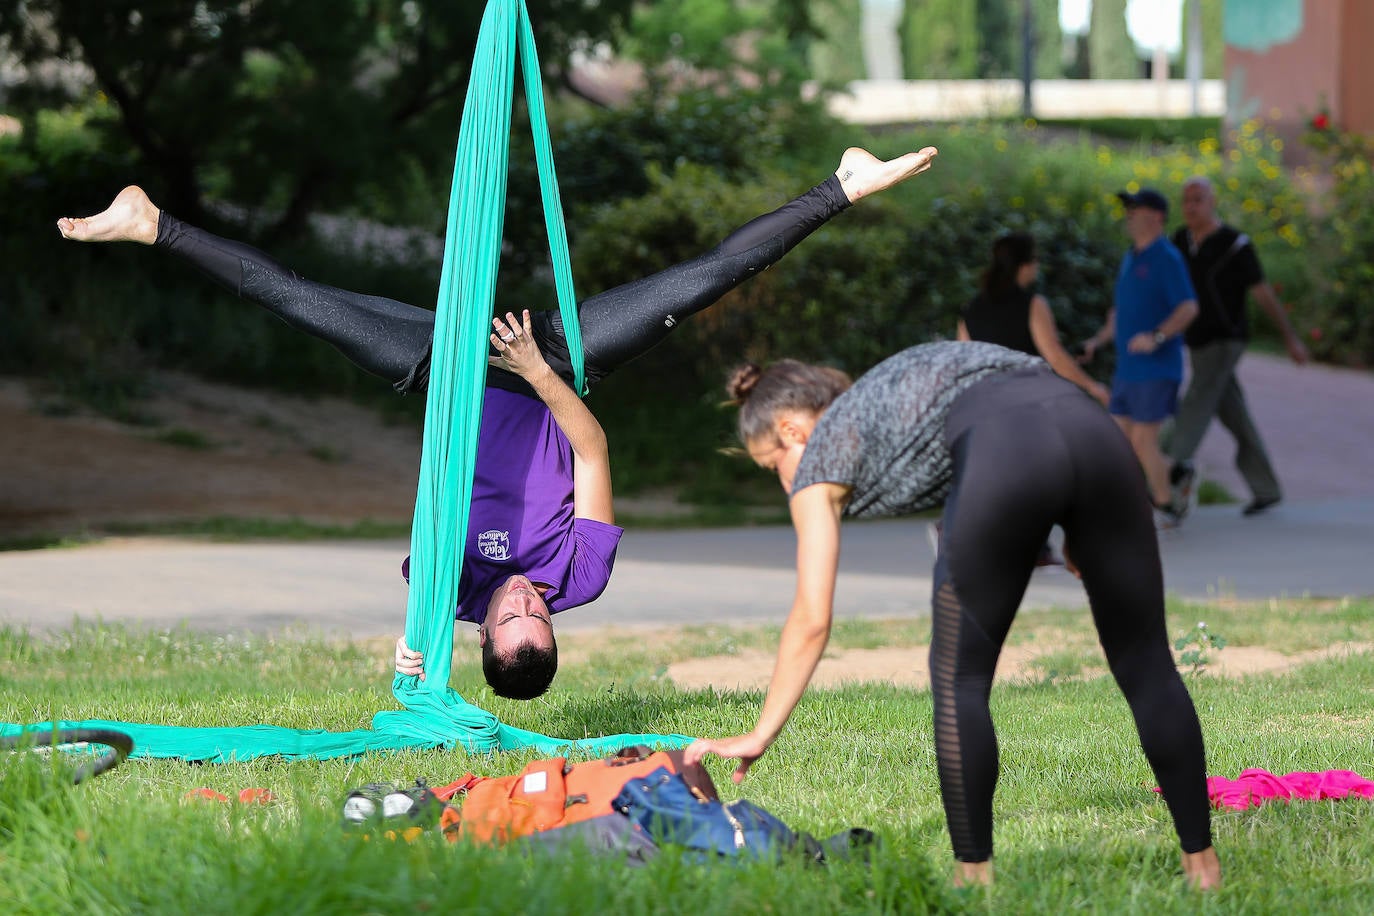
[(1156, 26)]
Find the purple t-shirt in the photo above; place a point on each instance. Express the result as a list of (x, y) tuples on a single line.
[(521, 519)]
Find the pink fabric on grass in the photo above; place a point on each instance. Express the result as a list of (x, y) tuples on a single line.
[(1255, 787)]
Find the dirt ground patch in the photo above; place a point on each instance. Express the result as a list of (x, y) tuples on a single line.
[(206, 450), (907, 667)]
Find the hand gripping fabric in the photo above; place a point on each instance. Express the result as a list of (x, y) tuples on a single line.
[(435, 715)]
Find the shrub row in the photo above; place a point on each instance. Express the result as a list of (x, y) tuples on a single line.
[(647, 188)]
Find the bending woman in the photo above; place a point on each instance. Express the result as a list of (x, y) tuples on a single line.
[(541, 532), (1010, 449)]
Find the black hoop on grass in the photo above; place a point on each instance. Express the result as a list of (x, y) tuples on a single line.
[(120, 746)]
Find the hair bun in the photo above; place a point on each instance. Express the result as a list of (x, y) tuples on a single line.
[(742, 380)]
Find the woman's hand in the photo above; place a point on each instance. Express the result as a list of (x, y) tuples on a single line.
[(408, 661), (515, 346), (747, 748)]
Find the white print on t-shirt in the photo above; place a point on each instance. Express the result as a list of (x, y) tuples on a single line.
[(494, 545)]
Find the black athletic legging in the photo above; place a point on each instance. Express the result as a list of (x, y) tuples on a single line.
[(1030, 451), (392, 339)]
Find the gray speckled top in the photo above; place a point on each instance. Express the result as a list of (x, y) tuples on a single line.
[(885, 436)]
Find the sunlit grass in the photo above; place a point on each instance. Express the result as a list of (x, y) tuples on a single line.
[(1077, 824)]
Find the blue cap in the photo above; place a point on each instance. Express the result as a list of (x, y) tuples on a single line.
[(1145, 197)]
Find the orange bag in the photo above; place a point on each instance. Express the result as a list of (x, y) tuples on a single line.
[(552, 793)]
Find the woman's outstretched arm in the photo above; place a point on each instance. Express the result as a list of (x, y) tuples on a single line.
[(816, 514)]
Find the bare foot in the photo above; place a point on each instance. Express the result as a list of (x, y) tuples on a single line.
[(130, 218), (1202, 869), (861, 173), (973, 874)]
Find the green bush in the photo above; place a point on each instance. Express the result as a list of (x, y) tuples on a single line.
[(1341, 318), (651, 186)]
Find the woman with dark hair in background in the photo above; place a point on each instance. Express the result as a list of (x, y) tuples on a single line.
[(1007, 311)]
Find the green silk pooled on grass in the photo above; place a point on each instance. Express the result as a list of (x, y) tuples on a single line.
[(435, 715)]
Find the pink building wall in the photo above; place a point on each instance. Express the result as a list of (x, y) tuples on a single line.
[(1357, 67), (1286, 60)]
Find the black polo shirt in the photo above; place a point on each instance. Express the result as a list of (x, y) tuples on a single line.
[(1223, 268)]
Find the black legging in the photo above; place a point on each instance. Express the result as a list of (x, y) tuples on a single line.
[(1031, 451), (392, 339)]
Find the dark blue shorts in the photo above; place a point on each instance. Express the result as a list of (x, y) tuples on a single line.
[(1150, 401)]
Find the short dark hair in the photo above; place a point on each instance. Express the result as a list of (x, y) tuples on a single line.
[(522, 674)]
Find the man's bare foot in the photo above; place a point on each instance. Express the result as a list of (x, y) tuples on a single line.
[(1202, 869), (861, 173), (130, 218), (973, 874)]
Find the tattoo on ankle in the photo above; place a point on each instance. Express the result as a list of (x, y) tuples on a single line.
[(849, 173)]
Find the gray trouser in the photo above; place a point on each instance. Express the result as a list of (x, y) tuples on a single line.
[(1214, 392)]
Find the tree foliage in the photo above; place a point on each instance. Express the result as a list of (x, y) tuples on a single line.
[(725, 44), (289, 104), (1049, 40), (1213, 38), (1111, 50), (837, 57), (940, 39)]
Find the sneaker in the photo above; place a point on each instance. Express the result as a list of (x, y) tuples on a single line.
[(363, 806), (1260, 504), (1183, 484), (382, 803), (417, 805), (1166, 518), (1046, 558)]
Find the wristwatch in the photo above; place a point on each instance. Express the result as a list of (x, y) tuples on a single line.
[(1160, 337)]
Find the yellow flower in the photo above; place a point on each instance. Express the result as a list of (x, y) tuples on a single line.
[(1001, 145)]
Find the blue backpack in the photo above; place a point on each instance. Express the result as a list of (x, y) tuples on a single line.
[(671, 813)]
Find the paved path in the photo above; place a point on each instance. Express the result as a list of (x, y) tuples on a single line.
[(1319, 423), (662, 577)]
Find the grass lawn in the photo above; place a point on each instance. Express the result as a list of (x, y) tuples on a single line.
[(1077, 825)]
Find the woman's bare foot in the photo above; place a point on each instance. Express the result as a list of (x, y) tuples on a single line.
[(973, 874), (1202, 869), (130, 218), (861, 173)]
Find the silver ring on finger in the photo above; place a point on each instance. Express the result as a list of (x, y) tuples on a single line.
[(507, 337)]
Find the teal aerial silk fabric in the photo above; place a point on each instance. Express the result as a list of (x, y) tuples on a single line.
[(435, 715)]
